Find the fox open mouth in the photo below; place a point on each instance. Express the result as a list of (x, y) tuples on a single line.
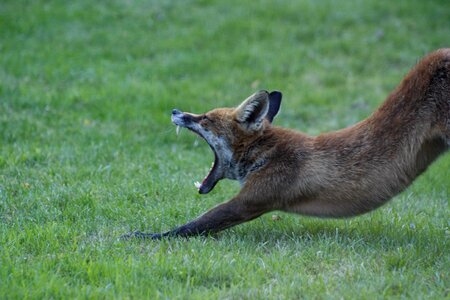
[(214, 174)]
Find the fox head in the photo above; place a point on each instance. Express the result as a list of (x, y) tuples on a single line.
[(228, 130)]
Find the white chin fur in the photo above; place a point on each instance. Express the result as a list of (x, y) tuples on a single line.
[(197, 184)]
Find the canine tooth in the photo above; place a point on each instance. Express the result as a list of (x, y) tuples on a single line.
[(197, 184), (178, 129)]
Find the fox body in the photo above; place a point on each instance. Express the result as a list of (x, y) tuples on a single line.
[(337, 174)]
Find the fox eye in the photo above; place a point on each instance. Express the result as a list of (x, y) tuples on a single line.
[(206, 119)]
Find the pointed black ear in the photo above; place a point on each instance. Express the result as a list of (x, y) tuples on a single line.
[(253, 110), (274, 105)]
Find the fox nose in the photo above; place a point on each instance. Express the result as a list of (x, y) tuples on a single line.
[(176, 111)]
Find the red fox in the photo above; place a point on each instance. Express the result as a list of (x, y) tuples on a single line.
[(337, 174)]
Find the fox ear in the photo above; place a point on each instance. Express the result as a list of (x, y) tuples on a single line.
[(274, 104), (253, 110)]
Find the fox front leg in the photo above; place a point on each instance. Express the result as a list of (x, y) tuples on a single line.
[(225, 215)]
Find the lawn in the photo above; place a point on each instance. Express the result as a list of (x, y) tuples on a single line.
[(88, 152)]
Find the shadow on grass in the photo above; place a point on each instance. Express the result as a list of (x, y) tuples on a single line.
[(378, 236)]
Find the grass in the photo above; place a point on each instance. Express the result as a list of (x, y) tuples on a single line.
[(87, 151)]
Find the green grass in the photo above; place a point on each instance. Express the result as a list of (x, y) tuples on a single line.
[(87, 150)]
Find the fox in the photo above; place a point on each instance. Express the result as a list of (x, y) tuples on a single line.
[(336, 174)]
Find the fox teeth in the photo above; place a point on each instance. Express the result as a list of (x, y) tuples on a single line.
[(197, 184), (178, 130)]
